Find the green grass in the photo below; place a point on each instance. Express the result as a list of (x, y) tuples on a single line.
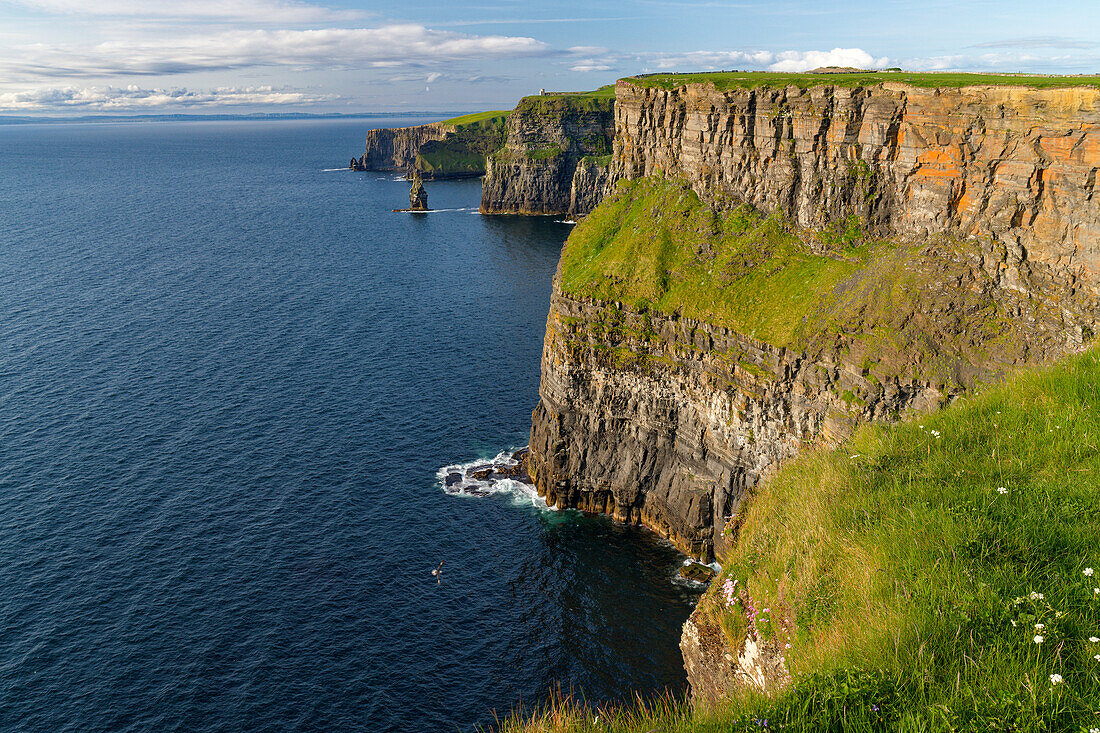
[(463, 152), (654, 245), (908, 586), (557, 104), (749, 79), (491, 117)]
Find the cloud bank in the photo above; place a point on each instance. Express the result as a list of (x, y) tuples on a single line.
[(135, 99), (330, 48), (707, 60), (242, 11)]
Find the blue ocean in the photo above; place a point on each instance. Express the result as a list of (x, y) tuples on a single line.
[(229, 380)]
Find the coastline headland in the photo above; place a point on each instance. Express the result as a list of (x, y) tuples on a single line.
[(768, 262)]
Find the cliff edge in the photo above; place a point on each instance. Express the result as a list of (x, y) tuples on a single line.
[(556, 159)]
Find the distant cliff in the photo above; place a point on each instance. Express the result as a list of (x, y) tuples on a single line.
[(556, 158), (454, 148)]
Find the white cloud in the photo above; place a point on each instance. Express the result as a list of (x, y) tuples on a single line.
[(584, 65), (806, 60), (331, 48), (257, 11), (135, 99), (713, 60)]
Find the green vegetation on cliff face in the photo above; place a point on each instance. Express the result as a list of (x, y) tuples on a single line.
[(463, 151), (752, 79), (655, 245), (941, 574)]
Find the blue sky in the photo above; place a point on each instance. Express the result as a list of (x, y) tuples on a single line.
[(72, 57)]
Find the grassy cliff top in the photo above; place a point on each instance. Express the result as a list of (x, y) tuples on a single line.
[(556, 104), (654, 245), (748, 79), (479, 119), (932, 575)]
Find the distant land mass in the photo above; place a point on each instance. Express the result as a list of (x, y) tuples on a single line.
[(25, 120)]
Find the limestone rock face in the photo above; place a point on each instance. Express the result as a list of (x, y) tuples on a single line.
[(715, 670), (551, 162), (663, 421), (396, 148), (418, 197), (1012, 163)]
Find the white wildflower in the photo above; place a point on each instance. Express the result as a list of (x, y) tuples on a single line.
[(1093, 639), (1088, 572), (1097, 657), (1013, 622), (1002, 490), (1038, 639), (1096, 591), (1039, 627), (1056, 679)]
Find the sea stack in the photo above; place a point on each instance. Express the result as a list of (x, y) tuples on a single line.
[(418, 197)]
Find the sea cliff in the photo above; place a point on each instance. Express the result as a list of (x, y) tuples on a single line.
[(454, 148), (1013, 163), (556, 158), (777, 266)]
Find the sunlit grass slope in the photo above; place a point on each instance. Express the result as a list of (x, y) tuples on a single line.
[(935, 575), (655, 246)]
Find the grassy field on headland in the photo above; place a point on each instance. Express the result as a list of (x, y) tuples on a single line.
[(749, 79), (933, 575)]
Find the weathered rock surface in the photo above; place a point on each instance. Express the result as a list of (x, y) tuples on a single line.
[(697, 572), (396, 148), (659, 420), (418, 197), (1012, 163), (551, 163), (714, 669)]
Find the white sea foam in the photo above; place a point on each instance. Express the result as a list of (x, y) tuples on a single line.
[(564, 221), (522, 494), (330, 170)]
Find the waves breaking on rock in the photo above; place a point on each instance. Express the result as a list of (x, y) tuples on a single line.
[(505, 473)]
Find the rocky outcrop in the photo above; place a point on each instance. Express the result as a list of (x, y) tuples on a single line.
[(396, 148), (440, 150), (418, 197), (1015, 164), (714, 669), (555, 160)]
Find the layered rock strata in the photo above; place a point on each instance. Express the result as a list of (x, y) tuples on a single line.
[(556, 159), (438, 150), (1008, 162), (663, 421), (396, 148)]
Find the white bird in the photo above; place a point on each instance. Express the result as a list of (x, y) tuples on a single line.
[(438, 572)]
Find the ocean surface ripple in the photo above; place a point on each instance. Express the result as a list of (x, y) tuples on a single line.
[(228, 379)]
